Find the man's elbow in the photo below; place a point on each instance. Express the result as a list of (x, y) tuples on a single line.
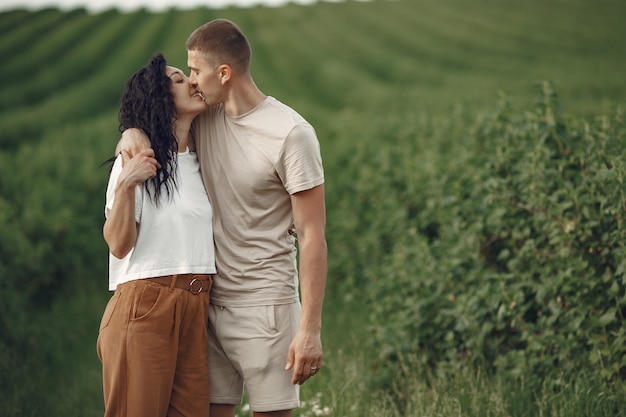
[(313, 239)]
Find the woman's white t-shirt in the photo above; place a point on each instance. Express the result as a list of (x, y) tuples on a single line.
[(175, 237)]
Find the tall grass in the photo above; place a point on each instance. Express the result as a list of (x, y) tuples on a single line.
[(347, 385)]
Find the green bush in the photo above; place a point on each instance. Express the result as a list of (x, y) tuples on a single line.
[(526, 274), (51, 247)]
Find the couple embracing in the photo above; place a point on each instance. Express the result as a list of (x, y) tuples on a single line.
[(215, 214)]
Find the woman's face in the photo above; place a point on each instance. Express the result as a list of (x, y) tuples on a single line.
[(186, 99)]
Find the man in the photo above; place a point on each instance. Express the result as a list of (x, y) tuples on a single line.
[(262, 168)]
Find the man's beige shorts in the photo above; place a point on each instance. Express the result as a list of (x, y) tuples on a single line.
[(248, 346)]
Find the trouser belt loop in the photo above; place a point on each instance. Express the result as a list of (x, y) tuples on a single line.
[(173, 282)]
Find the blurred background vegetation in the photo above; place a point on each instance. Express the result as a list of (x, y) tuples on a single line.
[(474, 156)]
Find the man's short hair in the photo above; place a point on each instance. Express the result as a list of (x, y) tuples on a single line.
[(220, 41)]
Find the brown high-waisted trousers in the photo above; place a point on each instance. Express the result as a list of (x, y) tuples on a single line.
[(153, 345)]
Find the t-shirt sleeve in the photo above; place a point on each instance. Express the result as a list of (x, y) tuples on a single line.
[(300, 163), (111, 187)]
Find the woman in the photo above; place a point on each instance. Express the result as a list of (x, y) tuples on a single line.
[(153, 336)]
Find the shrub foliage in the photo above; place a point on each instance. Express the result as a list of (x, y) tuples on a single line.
[(514, 254)]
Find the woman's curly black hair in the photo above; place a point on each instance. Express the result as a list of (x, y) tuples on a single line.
[(148, 104)]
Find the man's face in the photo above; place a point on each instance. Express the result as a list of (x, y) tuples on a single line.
[(204, 77)]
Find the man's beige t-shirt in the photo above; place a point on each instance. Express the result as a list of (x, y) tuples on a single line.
[(250, 165)]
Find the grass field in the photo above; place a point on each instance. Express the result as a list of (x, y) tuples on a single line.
[(365, 74)]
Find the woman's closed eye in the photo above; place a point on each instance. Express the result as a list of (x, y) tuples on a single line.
[(177, 77)]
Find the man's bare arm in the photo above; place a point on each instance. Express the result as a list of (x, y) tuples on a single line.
[(133, 141), (305, 353)]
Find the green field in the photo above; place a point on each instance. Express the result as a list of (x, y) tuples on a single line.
[(474, 158)]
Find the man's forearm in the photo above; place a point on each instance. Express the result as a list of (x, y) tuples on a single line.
[(313, 275)]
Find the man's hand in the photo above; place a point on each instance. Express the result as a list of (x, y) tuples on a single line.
[(305, 356), (132, 142)]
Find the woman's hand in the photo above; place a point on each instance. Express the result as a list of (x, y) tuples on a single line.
[(137, 169)]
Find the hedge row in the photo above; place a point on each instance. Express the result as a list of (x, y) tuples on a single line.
[(509, 251)]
